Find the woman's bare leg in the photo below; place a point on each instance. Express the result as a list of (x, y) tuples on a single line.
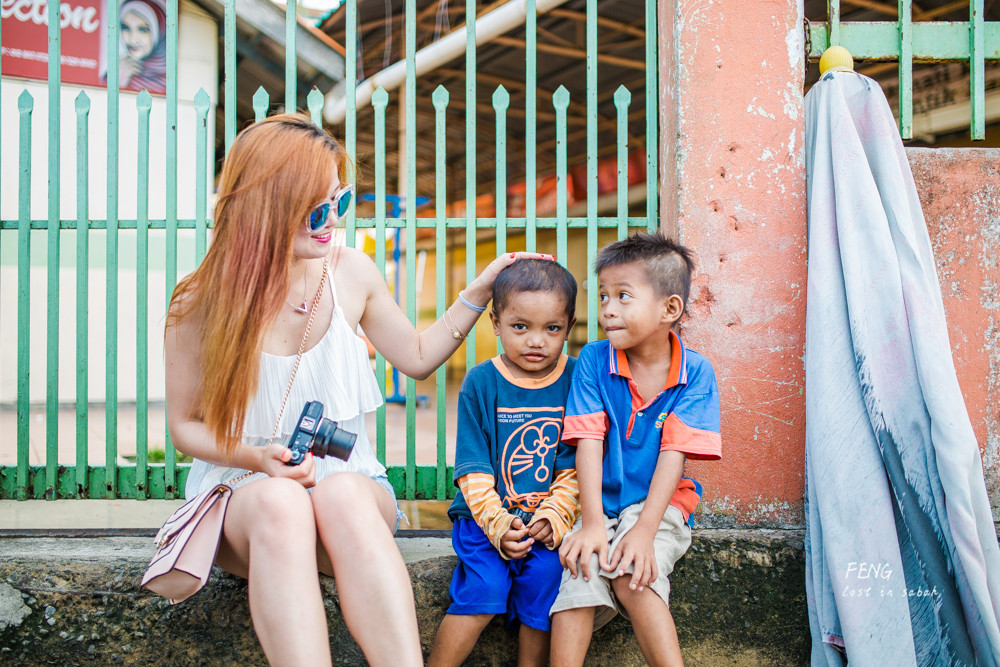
[(270, 538), (355, 517)]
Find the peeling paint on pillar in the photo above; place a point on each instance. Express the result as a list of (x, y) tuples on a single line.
[(739, 196), (959, 191)]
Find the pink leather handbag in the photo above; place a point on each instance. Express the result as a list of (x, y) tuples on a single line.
[(187, 544)]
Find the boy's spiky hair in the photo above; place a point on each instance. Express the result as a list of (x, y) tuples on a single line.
[(534, 275), (668, 264)]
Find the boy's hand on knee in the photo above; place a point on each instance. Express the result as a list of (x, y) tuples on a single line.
[(577, 548), (540, 530), (636, 549), (513, 543)]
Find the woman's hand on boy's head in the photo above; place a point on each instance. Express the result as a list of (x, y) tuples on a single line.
[(516, 543), (480, 290)]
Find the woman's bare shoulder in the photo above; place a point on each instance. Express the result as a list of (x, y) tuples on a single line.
[(350, 257), (353, 265), (185, 320)]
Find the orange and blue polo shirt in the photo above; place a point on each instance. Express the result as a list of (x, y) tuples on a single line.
[(604, 404)]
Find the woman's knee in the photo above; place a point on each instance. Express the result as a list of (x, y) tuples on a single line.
[(277, 505), (347, 500)]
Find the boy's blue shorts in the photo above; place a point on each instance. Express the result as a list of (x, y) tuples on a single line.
[(485, 583)]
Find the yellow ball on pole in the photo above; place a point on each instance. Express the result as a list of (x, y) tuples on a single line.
[(836, 59)]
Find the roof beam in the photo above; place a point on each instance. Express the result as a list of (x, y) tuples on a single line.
[(269, 19)]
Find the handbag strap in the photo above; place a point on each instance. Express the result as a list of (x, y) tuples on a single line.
[(295, 368)]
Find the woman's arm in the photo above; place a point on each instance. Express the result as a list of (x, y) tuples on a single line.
[(189, 434), (418, 354)]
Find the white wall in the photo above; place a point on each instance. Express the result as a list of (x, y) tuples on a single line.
[(197, 68)]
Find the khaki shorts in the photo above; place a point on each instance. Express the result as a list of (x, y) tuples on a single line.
[(671, 541)]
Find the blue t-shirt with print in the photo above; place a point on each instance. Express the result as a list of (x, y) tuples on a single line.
[(511, 428)]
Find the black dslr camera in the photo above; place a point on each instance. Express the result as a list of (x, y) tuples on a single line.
[(320, 436)]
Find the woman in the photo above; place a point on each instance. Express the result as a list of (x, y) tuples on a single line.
[(143, 53), (233, 330)]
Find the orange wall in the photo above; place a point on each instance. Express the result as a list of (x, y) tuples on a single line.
[(960, 196), (733, 187)]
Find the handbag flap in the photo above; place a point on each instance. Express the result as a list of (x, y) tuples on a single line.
[(183, 515)]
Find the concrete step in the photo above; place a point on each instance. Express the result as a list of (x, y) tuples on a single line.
[(738, 599)]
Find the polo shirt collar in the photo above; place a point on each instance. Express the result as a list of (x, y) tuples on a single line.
[(618, 362)]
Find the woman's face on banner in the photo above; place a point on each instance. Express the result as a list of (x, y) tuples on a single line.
[(136, 35)]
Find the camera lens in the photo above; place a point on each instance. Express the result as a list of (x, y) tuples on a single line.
[(332, 440)]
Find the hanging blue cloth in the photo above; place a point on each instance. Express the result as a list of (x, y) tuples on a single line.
[(902, 562)]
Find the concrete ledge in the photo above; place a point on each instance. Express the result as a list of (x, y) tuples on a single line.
[(738, 599)]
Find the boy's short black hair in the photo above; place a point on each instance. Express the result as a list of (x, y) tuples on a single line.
[(668, 264), (534, 275)]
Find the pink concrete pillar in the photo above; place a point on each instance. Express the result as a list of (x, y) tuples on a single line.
[(732, 181), (959, 192)]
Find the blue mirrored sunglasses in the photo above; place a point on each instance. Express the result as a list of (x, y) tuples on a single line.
[(340, 204)]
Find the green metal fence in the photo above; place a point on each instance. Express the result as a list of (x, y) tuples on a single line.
[(144, 479), (907, 41)]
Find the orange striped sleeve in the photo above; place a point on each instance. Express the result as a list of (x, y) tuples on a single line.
[(479, 490), (562, 507)]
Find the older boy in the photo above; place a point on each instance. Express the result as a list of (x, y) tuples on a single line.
[(640, 403), (516, 478)]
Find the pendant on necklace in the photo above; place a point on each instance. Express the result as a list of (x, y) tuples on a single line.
[(298, 309)]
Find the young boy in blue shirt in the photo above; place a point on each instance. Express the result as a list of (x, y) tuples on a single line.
[(517, 483), (640, 403)]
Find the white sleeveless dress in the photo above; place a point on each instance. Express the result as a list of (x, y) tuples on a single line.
[(337, 372)]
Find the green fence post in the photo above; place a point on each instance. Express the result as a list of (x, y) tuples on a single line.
[(833, 22), (905, 69), (623, 98), (591, 31), (170, 259), (82, 292), (530, 128), (291, 72), (501, 100), (52, 287), (143, 104), (314, 102), (440, 100), (202, 102), (411, 235), (652, 120), (25, 104), (380, 99), (560, 101), (351, 112), (977, 70), (470, 166), (260, 101), (229, 54), (111, 290)]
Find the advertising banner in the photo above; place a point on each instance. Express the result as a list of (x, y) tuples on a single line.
[(141, 42)]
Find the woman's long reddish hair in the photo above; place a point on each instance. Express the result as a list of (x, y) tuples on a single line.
[(277, 171)]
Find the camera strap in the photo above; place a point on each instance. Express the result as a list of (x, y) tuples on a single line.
[(295, 368)]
